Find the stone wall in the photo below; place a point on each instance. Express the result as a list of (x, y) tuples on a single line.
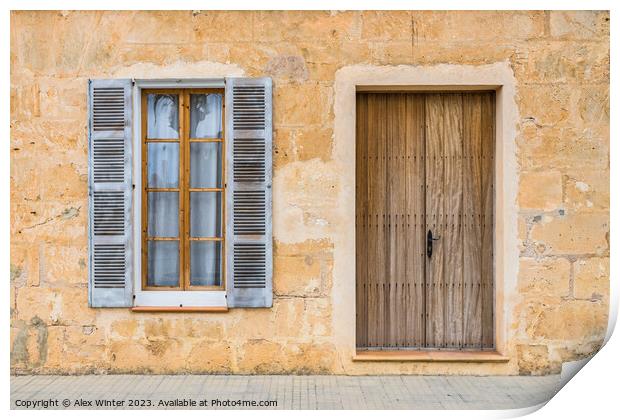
[(560, 62)]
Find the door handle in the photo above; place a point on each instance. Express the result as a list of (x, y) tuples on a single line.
[(429, 243)]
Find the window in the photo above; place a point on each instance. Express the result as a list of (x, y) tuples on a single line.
[(180, 193), (183, 211)]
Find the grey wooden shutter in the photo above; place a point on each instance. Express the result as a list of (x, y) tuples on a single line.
[(248, 192), (110, 193)]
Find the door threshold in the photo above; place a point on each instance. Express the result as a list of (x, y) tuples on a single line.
[(429, 356)]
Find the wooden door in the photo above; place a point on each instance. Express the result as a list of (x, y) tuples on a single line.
[(424, 163)]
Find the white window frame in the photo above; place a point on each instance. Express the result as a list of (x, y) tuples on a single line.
[(201, 298)]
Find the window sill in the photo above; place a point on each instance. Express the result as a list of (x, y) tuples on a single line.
[(216, 309), (180, 299), (428, 356)]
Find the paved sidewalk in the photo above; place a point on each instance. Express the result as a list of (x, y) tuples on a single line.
[(290, 392)]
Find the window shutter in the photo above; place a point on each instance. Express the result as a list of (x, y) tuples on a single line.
[(248, 192), (110, 194)]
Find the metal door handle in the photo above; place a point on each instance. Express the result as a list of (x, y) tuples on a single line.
[(429, 243)]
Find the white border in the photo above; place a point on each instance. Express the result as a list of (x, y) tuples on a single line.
[(592, 394)]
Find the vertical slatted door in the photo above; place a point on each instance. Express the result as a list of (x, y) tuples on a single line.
[(377, 247), (110, 194), (396, 231), (248, 192), (362, 221), (444, 211), (415, 198), (459, 211), (435, 196), (424, 162), (472, 211), (371, 148), (389, 210), (477, 219), (487, 280)]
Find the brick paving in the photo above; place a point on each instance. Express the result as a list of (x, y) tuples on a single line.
[(290, 392)]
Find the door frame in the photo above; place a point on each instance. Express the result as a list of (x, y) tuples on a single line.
[(498, 77)]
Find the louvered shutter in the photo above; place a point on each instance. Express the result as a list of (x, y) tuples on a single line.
[(110, 193), (248, 192)]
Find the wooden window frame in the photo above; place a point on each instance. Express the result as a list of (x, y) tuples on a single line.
[(184, 140)]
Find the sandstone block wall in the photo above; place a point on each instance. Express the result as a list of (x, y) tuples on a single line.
[(560, 61)]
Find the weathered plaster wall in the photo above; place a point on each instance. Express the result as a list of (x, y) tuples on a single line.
[(560, 62)]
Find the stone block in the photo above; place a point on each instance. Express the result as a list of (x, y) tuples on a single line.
[(261, 357), (317, 26), (211, 329), (586, 190), (562, 62), (387, 25), (322, 72), (161, 27), (314, 143), (159, 54), (73, 306), (288, 68), (431, 53), (124, 328), (62, 99), (147, 356), (297, 275), (208, 356), (82, 343), (591, 278), (544, 277), (392, 52), (534, 360), (546, 105), (579, 24), (540, 190), (218, 52), (569, 321), (318, 317), (311, 358), (260, 325), (215, 26), (592, 107), (25, 101), (289, 314), (302, 105), (36, 302), (572, 234), (30, 45), (65, 265), (557, 148), (19, 265), (284, 147), (441, 27), (308, 247)]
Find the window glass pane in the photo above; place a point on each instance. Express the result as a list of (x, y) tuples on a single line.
[(205, 116), (163, 165), (163, 214), (205, 261), (205, 214), (205, 165), (162, 116), (163, 263)]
